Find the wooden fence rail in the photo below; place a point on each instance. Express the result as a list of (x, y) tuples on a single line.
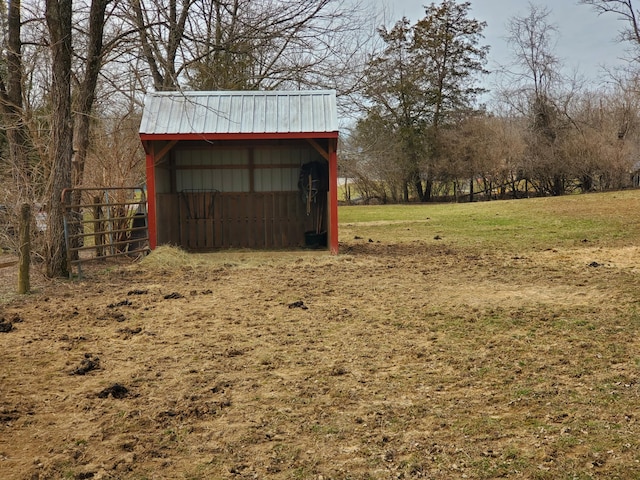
[(103, 223)]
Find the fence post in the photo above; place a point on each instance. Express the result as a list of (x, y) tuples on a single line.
[(24, 285), (98, 228)]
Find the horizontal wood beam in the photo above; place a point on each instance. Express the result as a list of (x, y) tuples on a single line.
[(238, 167)]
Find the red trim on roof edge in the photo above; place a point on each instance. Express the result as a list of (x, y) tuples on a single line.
[(236, 136)]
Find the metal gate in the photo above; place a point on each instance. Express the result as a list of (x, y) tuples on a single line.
[(101, 223)]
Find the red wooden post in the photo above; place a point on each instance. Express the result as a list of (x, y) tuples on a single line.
[(333, 196), (151, 196)]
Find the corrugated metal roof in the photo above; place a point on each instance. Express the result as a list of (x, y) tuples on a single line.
[(228, 112)]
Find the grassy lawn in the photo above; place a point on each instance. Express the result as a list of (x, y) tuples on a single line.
[(509, 224)]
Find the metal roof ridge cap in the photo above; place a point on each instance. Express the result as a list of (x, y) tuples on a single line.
[(241, 92)]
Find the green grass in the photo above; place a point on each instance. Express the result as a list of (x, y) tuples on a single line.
[(557, 222)]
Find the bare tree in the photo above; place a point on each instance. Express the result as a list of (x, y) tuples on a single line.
[(372, 156), (11, 101), (480, 151), (535, 92), (608, 140), (58, 16), (116, 157), (86, 91), (14, 121), (246, 44), (627, 11)]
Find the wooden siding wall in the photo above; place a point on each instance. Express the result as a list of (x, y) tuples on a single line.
[(259, 169), (277, 169), (163, 180), (224, 170), (210, 220)]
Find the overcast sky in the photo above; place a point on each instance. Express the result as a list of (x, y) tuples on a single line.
[(587, 41)]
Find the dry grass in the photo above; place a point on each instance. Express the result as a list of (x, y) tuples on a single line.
[(411, 359)]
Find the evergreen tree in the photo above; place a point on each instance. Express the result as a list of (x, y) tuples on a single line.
[(425, 76)]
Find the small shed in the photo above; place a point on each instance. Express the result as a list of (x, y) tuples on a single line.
[(242, 169)]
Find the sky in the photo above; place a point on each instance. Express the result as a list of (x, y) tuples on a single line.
[(586, 41)]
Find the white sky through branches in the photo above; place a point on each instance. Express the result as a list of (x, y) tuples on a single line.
[(587, 42)]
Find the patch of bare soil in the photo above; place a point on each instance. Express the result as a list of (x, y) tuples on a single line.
[(387, 361)]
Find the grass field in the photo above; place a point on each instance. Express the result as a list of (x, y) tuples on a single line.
[(510, 224), (486, 340)]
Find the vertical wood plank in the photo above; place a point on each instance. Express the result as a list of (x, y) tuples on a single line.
[(255, 223), (245, 216), (233, 221), (281, 224), (209, 240), (258, 227), (184, 222), (269, 221), (200, 220), (226, 227), (217, 220)]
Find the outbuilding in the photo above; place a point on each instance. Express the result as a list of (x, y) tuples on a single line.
[(242, 169)]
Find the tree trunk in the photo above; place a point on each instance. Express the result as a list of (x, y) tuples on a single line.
[(24, 285), (12, 106), (83, 108), (417, 181), (428, 190), (405, 192), (558, 185), (514, 188), (471, 199), (419, 189), (87, 91), (17, 138), (58, 16)]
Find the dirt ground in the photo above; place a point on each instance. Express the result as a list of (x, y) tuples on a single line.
[(387, 361)]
